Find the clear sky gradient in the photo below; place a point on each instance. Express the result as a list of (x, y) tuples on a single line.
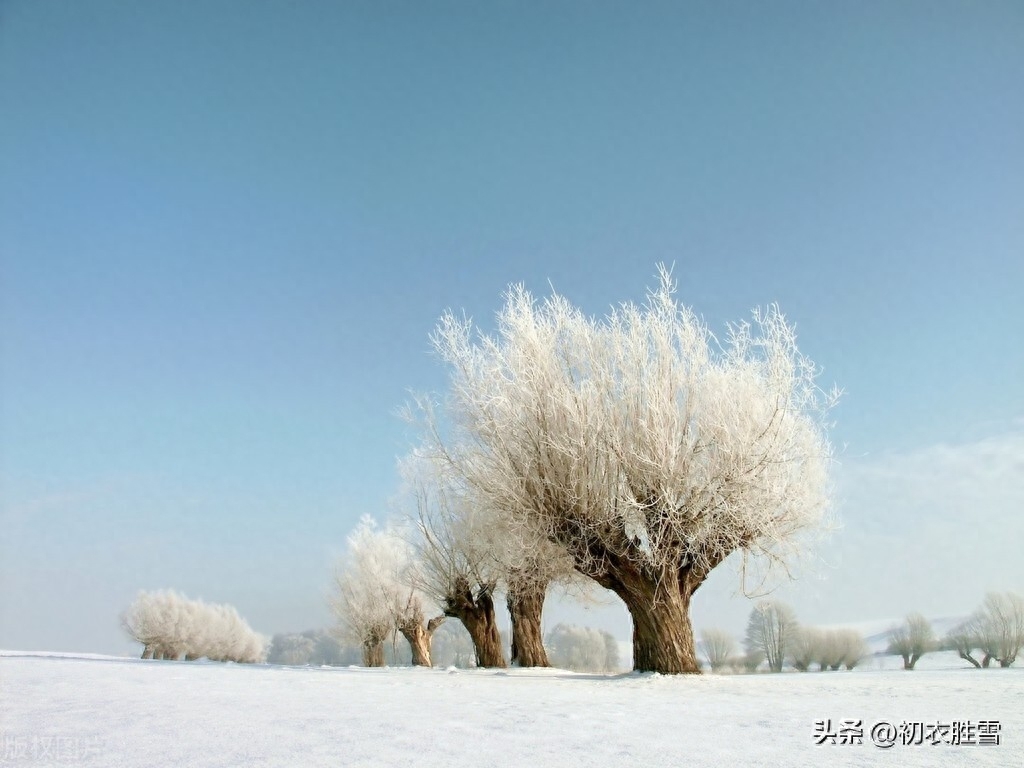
[(228, 228)]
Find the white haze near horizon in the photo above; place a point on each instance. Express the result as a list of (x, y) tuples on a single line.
[(929, 530)]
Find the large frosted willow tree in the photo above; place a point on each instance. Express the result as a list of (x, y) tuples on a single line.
[(639, 445)]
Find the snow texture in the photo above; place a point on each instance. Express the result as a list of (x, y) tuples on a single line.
[(104, 711)]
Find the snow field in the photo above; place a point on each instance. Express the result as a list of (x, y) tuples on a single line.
[(96, 711)]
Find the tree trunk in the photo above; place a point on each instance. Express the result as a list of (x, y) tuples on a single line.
[(147, 652), (373, 653), (663, 639), (419, 639), (476, 612), (966, 656), (525, 606), (483, 630)]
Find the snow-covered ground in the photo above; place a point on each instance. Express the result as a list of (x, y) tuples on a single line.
[(106, 711)]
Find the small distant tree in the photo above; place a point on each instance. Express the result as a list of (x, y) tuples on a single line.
[(965, 638), (806, 646), (850, 649), (294, 650), (912, 640), (719, 647), (1003, 626), (583, 649), (770, 631), (328, 651), (610, 662), (751, 660), (996, 630), (369, 589)]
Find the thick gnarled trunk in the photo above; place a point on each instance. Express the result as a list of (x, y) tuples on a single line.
[(483, 630), (663, 638), (419, 638), (525, 606), (476, 612)]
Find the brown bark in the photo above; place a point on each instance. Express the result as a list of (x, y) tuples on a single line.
[(419, 638), (476, 612), (910, 660), (966, 656), (525, 606), (373, 652), (659, 604)]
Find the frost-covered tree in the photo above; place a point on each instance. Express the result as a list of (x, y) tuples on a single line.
[(996, 630), (329, 651), (751, 659), (417, 629), (806, 646), (294, 650), (170, 626), (830, 649), (583, 649), (841, 647), (315, 647), (516, 560), (771, 629), (912, 640), (368, 589), (1002, 626), (639, 445), (378, 592), (965, 638), (719, 647), (456, 555), (151, 619)]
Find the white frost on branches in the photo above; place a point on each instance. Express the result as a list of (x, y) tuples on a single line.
[(772, 631), (996, 630), (377, 588), (170, 626), (637, 436)]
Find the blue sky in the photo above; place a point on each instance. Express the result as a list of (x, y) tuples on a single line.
[(227, 229)]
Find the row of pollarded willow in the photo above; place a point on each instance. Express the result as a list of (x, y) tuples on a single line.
[(641, 449), (171, 626), (376, 593), (467, 554), (391, 577)]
